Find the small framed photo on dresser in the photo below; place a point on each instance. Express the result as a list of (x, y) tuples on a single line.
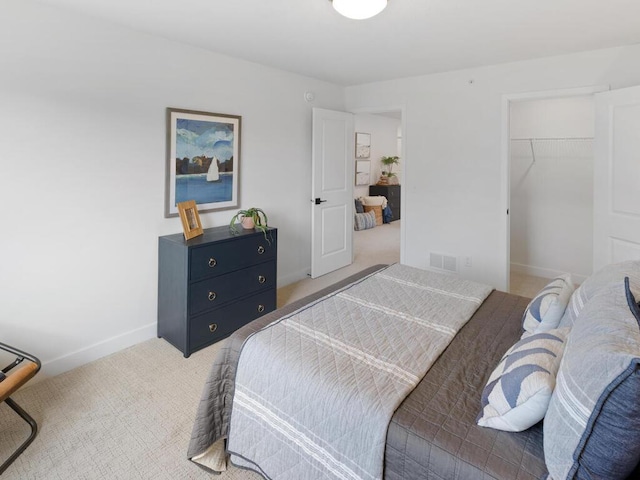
[(190, 219)]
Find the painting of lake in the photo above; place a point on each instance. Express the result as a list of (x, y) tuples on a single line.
[(203, 160), (196, 187)]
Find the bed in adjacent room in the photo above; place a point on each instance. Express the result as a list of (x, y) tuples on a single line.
[(386, 375)]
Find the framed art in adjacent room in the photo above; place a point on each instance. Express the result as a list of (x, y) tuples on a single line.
[(190, 219), (363, 169), (203, 160), (363, 145)]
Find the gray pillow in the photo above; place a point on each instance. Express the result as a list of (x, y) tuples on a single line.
[(592, 427), (615, 272), (359, 206)]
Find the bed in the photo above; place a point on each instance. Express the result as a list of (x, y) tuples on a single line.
[(432, 433)]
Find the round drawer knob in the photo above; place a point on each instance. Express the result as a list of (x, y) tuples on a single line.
[(213, 327), (261, 279), (260, 308), (212, 296), (260, 250), (212, 262)]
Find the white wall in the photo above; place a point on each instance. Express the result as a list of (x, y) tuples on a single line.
[(453, 186), (384, 143), (82, 171), (552, 198)]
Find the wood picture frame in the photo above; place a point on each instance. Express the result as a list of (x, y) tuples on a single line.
[(190, 219), (203, 160)]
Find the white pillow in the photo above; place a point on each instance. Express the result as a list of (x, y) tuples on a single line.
[(518, 391), (546, 309), (376, 200)]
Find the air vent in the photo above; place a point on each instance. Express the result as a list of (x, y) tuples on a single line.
[(443, 262), (435, 261)]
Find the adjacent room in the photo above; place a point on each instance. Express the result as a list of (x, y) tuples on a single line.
[(294, 240)]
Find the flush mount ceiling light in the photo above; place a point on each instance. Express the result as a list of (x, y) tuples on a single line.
[(359, 9)]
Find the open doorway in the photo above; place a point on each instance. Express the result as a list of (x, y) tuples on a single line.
[(551, 190), (380, 244), (376, 182)]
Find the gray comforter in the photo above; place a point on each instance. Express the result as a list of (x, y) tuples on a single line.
[(433, 432), (315, 391), (207, 447)]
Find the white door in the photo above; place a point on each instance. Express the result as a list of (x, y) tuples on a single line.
[(332, 191), (616, 194)]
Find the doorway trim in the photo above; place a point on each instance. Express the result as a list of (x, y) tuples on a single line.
[(505, 156), (403, 203)]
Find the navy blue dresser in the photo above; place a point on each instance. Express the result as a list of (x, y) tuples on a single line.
[(213, 284), (392, 192)]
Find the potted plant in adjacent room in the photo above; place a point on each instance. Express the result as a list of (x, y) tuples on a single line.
[(388, 177), (251, 218)]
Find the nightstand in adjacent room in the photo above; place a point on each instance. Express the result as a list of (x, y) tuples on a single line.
[(213, 284)]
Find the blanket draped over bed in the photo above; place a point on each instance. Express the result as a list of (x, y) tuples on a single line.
[(316, 390)]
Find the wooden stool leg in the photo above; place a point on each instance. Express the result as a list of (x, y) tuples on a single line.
[(34, 431)]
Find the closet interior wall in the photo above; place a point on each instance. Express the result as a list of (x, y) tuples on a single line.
[(551, 207)]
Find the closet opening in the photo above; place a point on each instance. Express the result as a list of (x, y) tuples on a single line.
[(551, 165)]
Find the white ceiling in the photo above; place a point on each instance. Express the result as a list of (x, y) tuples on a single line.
[(410, 37)]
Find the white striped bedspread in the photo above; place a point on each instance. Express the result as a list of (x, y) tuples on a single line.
[(315, 391)]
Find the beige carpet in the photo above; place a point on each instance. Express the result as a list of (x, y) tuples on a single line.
[(129, 415), (526, 285)]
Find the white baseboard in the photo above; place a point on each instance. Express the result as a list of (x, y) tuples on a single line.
[(97, 350), (285, 280), (111, 345), (544, 272)]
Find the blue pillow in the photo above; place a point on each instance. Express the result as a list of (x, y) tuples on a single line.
[(592, 427)]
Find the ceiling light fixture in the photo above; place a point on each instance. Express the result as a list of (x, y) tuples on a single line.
[(359, 9)]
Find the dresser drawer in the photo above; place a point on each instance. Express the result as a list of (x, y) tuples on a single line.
[(215, 291), (236, 269), (219, 258), (219, 323)]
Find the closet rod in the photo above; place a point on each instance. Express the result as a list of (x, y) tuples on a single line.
[(553, 138), (533, 152)]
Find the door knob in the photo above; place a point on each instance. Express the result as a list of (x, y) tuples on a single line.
[(318, 201)]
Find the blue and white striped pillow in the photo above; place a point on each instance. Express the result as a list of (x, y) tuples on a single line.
[(364, 221), (518, 392), (545, 310)]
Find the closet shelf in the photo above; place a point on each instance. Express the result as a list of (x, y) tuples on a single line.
[(554, 147), (551, 138)]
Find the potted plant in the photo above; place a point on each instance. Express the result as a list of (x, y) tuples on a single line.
[(251, 218), (388, 174)]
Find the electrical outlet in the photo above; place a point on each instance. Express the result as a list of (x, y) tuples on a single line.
[(467, 262)]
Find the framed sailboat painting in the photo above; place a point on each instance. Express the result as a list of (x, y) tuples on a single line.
[(203, 160)]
